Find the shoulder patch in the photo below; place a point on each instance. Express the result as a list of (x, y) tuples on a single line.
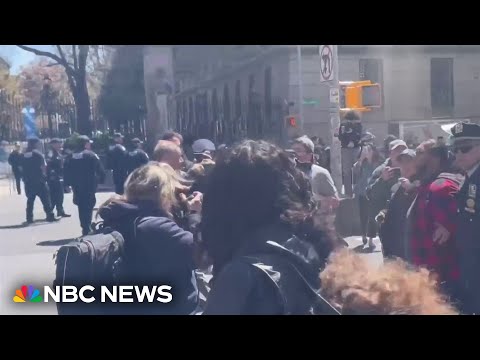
[(77, 156)]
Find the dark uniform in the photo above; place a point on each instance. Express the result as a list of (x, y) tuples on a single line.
[(350, 136), (117, 162), (33, 166), (137, 157), (82, 171), (55, 162), (468, 228), (14, 160)]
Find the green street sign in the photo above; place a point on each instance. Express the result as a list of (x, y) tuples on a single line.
[(311, 102)]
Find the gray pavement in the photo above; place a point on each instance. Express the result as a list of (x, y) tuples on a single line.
[(26, 253)]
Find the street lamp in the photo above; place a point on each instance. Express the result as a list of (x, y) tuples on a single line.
[(47, 97)]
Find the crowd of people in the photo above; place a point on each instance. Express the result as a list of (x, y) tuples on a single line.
[(261, 221)]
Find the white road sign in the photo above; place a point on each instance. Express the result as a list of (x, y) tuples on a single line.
[(326, 63)]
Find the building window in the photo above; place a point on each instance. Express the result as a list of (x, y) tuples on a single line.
[(268, 95), (237, 124), (227, 121), (441, 86), (372, 69)]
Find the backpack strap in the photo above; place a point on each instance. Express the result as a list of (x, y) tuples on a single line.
[(325, 305)]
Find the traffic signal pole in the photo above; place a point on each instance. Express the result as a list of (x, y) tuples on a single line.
[(300, 87), (334, 110)]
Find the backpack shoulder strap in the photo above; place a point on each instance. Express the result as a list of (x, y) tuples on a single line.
[(256, 261)]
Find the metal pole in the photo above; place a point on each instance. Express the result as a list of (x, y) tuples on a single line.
[(300, 86), (335, 150)]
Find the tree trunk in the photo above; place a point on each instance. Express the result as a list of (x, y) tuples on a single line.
[(82, 105)]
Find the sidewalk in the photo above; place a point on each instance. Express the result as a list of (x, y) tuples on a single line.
[(7, 186)]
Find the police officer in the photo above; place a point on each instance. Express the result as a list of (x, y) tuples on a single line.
[(14, 160), (55, 162), (137, 157), (35, 180), (117, 162), (466, 147), (350, 136), (82, 171)]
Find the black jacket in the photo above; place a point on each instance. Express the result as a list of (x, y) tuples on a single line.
[(158, 253), (379, 192), (276, 274), (393, 230), (15, 159)]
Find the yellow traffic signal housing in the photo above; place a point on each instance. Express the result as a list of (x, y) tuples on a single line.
[(360, 95)]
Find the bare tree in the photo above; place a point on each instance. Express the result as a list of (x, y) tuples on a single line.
[(73, 58)]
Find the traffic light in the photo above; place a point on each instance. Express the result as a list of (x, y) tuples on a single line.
[(360, 95), (291, 121)]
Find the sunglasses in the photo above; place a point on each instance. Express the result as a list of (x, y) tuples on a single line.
[(463, 149)]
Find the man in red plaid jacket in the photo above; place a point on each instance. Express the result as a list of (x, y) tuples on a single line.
[(431, 218)]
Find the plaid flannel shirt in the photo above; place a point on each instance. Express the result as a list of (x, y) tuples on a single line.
[(436, 203)]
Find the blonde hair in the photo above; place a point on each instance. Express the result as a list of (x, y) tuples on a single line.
[(357, 287), (154, 182)]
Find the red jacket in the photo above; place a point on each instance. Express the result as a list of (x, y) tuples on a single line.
[(435, 203)]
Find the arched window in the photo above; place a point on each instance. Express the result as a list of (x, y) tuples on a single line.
[(237, 123), (227, 121), (214, 120), (268, 97)]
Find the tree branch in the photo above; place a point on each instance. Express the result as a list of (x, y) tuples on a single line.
[(75, 60), (48, 54), (82, 57), (64, 61)]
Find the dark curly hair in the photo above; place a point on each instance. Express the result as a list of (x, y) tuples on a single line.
[(255, 185)]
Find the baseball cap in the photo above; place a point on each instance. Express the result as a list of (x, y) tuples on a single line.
[(305, 141), (396, 143), (201, 146), (408, 153)]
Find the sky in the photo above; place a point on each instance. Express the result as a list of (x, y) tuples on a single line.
[(18, 57)]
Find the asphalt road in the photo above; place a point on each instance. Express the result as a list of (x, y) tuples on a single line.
[(26, 253)]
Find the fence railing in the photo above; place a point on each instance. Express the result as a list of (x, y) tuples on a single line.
[(58, 119)]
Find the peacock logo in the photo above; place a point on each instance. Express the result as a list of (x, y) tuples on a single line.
[(25, 294)]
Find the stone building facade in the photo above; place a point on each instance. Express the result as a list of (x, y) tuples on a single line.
[(226, 92)]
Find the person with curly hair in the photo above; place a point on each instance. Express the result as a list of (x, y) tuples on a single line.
[(357, 287), (259, 229)]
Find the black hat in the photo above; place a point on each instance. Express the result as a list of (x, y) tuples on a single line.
[(55, 141), (201, 146), (137, 141), (33, 141), (466, 131)]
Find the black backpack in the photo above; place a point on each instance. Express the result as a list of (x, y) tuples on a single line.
[(290, 283), (95, 260)]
